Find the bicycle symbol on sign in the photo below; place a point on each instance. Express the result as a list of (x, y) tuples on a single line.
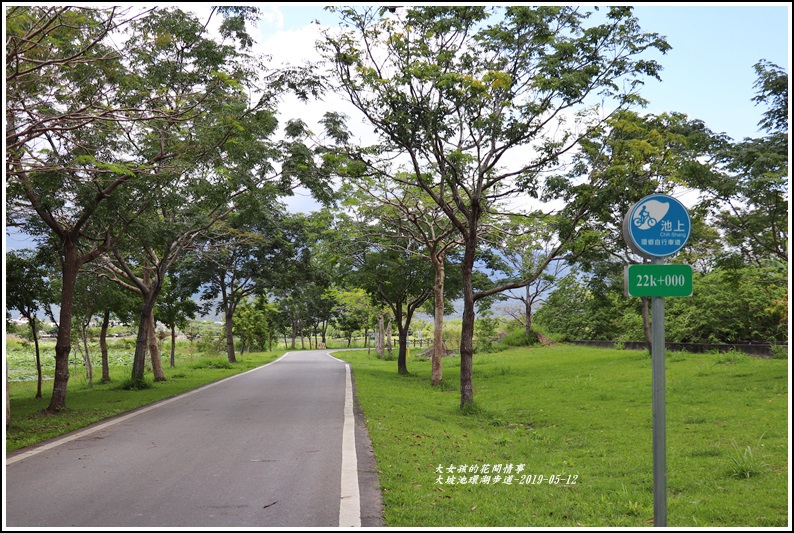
[(644, 217)]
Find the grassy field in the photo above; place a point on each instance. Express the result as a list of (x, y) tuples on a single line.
[(582, 415), (88, 404)]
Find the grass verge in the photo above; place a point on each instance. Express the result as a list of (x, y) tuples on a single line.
[(582, 415)]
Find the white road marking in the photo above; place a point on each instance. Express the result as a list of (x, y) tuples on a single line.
[(80, 434), (350, 499)]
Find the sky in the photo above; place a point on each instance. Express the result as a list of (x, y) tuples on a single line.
[(708, 74)]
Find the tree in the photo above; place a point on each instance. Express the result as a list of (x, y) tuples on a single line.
[(353, 312), (252, 323), (454, 95), (401, 281), (26, 289), (732, 305), (61, 132), (410, 217), (526, 243), (747, 189), (633, 156), (94, 296), (577, 312), (226, 145), (176, 307)]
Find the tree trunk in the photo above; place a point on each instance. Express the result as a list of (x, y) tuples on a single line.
[(8, 402), (230, 334), (63, 344), (173, 345), (389, 345), (528, 315), (379, 335), (402, 345), (34, 331), (436, 374), (89, 371), (154, 350), (103, 346), (139, 358), (646, 323), (467, 327)]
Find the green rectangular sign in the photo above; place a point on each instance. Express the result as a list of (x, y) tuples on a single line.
[(658, 280)]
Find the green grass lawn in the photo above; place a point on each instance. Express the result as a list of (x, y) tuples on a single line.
[(583, 414)]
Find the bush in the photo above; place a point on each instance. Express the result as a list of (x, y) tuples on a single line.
[(210, 345), (731, 357), (211, 362), (518, 337), (779, 352), (135, 384)]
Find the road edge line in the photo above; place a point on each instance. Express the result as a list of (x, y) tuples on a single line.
[(102, 425), (350, 496)]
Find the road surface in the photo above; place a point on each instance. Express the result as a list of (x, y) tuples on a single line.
[(273, 447)]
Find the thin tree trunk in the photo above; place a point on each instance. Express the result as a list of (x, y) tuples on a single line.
[(154, 350), (467, 327), (402, 346), (230, 334), (389, 345), (528, 315), (34, 331), (103, 346), (436, 374), (646, 323), (89, 371), (173, 345), (379, 337)]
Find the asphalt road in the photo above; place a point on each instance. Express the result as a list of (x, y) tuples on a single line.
[(273, 447)]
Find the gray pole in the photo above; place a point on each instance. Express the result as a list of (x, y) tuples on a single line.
[(659, 417)]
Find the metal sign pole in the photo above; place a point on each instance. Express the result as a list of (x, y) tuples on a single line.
[(659, 416), (657, 226)]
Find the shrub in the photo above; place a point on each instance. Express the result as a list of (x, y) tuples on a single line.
[(731, 357), (779, 352), (518, 337), (135, 384), (211, 362)]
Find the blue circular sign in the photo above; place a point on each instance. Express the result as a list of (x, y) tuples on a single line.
[(657, 226)]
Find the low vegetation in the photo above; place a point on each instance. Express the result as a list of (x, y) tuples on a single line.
[(582, 415)]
